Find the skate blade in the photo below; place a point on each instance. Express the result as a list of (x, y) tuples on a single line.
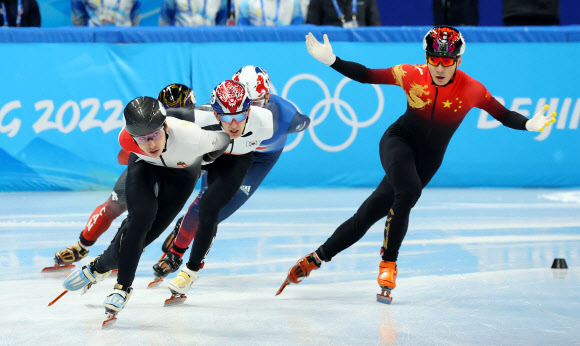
[(111, 319), (57, 298), (86, 288), (384, 297), (56, 268), (175, 299), (155, 283), (286, 283)]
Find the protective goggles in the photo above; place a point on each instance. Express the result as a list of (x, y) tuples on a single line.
[(153, 136), (238, 117), (436, 60)]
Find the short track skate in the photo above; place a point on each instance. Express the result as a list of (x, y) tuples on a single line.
[(86, 288), (155, 283), (57, 268), (158, 280), (385, 296), (175, 299), (286, 283), (65, 258), (57, 298), (111, 318)]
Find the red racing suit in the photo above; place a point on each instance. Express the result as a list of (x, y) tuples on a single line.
[(412, 148)]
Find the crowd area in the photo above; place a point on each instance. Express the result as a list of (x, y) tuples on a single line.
[(342, 13)]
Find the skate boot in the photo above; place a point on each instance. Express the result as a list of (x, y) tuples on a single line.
[(71, 254), (180, 285), (301, 270), (386, 279), (115, 302), (167, 265), (85, 276), (63, 259), (183, 281)]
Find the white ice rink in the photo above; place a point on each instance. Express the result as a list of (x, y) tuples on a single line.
[(473, 269)]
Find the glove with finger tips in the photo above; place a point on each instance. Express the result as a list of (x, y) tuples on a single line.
[(539, 121), (321, 52)]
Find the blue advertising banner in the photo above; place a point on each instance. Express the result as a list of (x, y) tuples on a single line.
[(61, 110)]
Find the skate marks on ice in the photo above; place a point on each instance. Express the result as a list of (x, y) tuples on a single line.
[(502, 307), (474, 269)]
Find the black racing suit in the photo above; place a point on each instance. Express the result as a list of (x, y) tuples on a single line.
[(412, 148), (156, 190)]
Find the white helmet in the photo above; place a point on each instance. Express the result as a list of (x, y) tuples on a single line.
[(256, 79)]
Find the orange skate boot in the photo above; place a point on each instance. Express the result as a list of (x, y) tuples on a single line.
[(301, 270), (386, 279)]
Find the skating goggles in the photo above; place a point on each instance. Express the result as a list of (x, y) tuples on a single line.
[(436, 60), (238, 117), (153, 136)]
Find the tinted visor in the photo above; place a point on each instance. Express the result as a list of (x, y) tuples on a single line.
[(436, 60), (238, 117)]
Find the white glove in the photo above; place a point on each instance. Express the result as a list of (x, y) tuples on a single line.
[(539, 121), (320, 52)]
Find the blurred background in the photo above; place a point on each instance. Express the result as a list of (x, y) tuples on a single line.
[(57, 13), (64, 86)]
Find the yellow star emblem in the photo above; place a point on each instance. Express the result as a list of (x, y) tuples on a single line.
[(447, 104)]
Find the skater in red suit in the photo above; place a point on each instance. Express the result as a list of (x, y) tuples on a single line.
[(439, 96)]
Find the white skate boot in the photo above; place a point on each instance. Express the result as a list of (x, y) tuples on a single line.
[(180, 285), (84, 276), (115, 302)]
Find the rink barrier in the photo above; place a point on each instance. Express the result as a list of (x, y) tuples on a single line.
[(277, 34), (64, 91)]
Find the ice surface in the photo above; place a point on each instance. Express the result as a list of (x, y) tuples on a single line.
[(474, 269)]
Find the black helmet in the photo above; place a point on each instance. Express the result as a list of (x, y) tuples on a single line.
[(176, 96), (144, 115), (444, 41)]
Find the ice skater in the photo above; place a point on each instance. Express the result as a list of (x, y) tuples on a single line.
[(288, 120), (439, 96), (164, 166), (249, 133), (172, 96)]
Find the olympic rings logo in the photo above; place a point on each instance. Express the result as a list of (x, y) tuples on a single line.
[(338, 105)]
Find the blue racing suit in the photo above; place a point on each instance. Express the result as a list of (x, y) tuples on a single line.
[(265, 156)]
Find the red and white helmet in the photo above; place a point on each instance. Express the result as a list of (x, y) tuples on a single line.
[(230, 97), (256, 79)]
